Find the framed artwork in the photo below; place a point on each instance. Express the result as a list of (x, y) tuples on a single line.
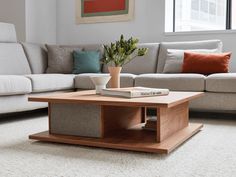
[(100, 11)]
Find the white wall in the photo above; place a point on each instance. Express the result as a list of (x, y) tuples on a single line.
[(13, 11), (145, 25), (41, 21), (35, 20)]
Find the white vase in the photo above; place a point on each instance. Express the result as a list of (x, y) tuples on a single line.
[(100, 82)]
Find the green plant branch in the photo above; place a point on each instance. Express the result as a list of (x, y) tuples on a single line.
[(131, 59), (120, 52)]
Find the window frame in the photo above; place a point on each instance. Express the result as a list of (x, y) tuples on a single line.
[(228, 15)]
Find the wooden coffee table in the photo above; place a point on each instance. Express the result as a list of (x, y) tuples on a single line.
[(84, 118)]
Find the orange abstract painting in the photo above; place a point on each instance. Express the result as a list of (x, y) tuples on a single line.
[(104, 7), (97, 11)]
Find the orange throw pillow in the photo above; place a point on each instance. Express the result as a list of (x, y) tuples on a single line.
[(206, 63)]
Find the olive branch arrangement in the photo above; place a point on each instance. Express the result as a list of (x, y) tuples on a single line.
[(122, 52)]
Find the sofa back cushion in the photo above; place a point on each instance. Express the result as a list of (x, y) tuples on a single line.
[(37, 57), (60, 58), (144, 64), (88, 47), (7, 33), (13, 60), (208, 44), (12, 57), (93, 47), (175, 59)]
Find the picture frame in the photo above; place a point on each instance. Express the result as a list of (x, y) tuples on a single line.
[(104, 11)]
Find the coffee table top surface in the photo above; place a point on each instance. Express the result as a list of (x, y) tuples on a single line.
[(89, 97)]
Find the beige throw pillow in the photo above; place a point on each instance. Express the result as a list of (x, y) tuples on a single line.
[(60, 58), (174, 60)]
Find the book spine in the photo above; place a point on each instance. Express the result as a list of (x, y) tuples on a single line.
[(142, 94)]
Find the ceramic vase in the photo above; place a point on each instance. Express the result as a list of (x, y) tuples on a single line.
[(115, 76), (100, 82)]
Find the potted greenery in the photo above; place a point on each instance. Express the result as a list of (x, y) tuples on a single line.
[(119, 54)]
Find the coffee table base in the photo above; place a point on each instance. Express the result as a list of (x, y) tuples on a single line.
[(133, 139)]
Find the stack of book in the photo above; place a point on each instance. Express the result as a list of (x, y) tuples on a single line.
[(151, 124), (134, 92)]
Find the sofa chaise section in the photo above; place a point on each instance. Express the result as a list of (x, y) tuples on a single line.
[(18, 103), (14, 85), (22, 74)]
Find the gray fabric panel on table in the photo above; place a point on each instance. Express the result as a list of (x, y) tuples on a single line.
[(75, 119)]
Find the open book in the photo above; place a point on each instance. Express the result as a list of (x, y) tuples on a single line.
[(134, 92)]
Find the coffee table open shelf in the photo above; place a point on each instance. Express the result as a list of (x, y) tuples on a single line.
[(84, 118)]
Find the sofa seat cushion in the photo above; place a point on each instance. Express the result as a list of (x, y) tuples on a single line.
[(14, 85), (51, 82), (224, 83), (83, 81), (175, 82)]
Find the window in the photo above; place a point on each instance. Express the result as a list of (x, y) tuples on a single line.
[(200, 15)]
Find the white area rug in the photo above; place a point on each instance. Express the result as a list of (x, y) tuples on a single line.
[(211, 153)]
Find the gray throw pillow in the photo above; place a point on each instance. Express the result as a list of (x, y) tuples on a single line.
[(60, 58), (174, 60)]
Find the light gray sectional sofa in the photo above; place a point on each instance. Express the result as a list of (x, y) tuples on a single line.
[(23, 66)]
